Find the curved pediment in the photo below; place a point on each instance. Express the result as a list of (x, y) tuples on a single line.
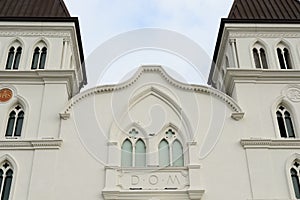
[(164, 76)]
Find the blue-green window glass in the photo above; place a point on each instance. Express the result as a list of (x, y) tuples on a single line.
[(10, 124), (35, 59), (295, 179), (164, 153), (19, 123), (10, 58), (126, 157), (6, 176), (43, 58), (15, 122), (7, 185), (285, 123), (289, 124), (177, 154), (17, 58), (140, 153)]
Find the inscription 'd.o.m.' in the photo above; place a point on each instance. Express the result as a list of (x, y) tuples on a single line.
[(5, 94)]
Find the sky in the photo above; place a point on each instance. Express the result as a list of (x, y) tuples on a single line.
[(102, 20)]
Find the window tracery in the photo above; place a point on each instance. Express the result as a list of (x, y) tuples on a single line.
[(15, 122)]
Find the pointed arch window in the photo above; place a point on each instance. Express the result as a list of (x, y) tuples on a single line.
[(284, 57), (295, 178), (177, 154), (6, 177), (133, 151), (127, 153), (15, 122), (260, 59), (13, 58), (164, 153), (170, 150), (285, 122), (39, 58)]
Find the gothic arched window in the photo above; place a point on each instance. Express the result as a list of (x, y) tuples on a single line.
[(126, 154), (164, 153), (6, 177), (140, 153), (133, 151), (13, 58), (284, 57), (260, 60), (285, 122), (177, 154), (39, 58), (295, 177), (15, 122), (170, 150)]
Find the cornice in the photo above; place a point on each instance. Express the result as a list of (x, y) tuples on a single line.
[(41, 77), (264, 35), (13, 33), (259, 143), (234, 76), (20, 144), (155, 69)]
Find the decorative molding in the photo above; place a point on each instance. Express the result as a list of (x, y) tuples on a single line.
[(261, 143), (192, 143), (158, 69), (153, 195), (41, 77), (237, 116), (194, 166), (263, 35), (196, 194), (64, 116), (112, 143), (234, 76), (19, 144), (35, 33), (292, 92)]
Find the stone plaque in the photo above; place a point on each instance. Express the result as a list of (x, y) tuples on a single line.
[(159, 180)]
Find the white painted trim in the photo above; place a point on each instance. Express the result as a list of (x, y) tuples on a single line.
[(158, 69)]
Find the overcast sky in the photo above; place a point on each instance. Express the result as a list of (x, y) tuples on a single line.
[(101, 20)]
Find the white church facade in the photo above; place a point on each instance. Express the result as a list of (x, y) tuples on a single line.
[(151, 137)]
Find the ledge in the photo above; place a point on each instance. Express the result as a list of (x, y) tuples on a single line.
[(16, 144), (153, 194), (260, 143), (237, 116)]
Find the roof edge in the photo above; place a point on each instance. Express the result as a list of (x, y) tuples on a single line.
[(62, 3)]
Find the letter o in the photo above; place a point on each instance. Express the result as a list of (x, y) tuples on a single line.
[(153, 179)]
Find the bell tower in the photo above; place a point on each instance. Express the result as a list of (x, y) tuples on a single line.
[(41, 68), (257, 63)]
